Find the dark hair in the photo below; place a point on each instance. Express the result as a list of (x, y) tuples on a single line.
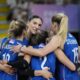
[(18, 27), (38, 38), (56, 19), (35, 16)]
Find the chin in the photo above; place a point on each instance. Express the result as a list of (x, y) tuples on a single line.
[(33, 32)]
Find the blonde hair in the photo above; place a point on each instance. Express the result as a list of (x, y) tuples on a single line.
[(12, 26), (16, 28), (62, 20), (63, 28)]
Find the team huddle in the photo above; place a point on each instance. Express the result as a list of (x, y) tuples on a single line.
[(29, 53)]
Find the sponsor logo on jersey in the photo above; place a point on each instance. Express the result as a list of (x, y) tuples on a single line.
[(70, 41)]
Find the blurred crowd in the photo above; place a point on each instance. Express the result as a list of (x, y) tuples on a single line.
[(59, 2), (21, 8)]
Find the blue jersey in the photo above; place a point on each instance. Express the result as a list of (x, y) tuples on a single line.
[(8, 55), (71, 51), (38, 63)]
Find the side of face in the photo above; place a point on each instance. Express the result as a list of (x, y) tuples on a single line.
[(34, 25), (11, 27), (54, 27)]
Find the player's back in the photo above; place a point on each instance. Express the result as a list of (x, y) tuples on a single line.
[(8, 55), (39, 63), (71, 51)]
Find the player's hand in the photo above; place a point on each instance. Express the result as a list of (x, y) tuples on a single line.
[(3, 62), (46, 74), (8, 69), (16, 48), (46, 68)]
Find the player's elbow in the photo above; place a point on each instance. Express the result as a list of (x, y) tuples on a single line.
[(42, 53), (73, 68)]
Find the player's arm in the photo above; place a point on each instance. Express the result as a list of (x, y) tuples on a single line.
[(1, 67), (30, 72), (6, 68), (64, 59), (27, 57), (51, 46), (20, 63)]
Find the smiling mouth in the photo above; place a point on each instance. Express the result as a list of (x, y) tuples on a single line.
[(34, 29)]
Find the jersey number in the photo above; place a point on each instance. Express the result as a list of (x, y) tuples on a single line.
[(75, 51), (6, 57)]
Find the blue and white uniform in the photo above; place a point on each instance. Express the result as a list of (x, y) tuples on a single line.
[(8, 55), (71, 51), (38, 63)]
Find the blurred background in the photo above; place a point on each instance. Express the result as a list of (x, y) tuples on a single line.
[(10, 9)]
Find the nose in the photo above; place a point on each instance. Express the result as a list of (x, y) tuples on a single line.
[(37, 27)]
